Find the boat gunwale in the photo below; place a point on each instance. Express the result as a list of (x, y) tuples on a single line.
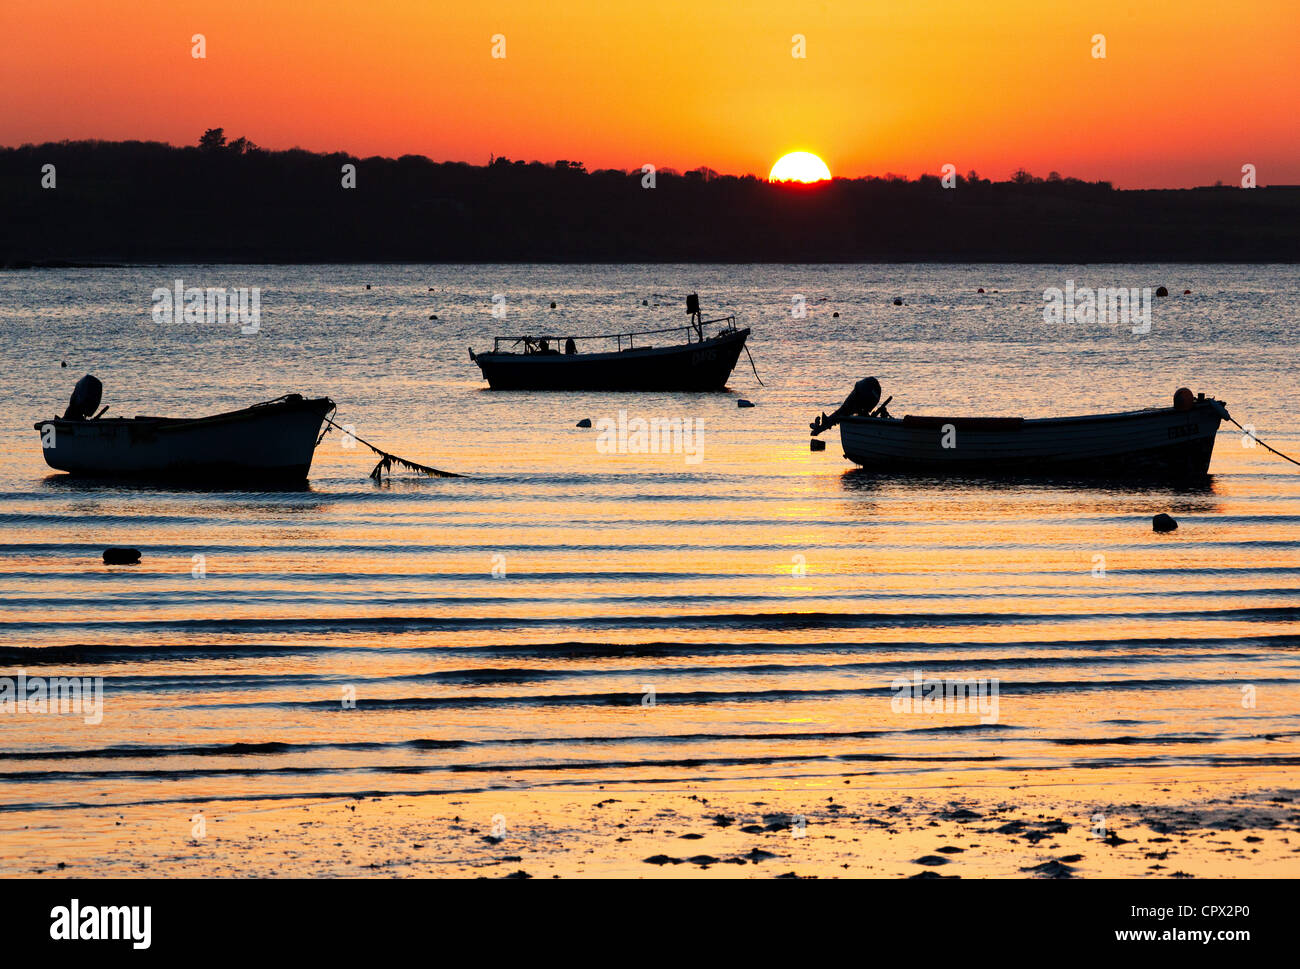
[(1210, 403), (325, 404)]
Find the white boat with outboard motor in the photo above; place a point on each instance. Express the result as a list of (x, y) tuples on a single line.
[(1159, 442), (271, 441)]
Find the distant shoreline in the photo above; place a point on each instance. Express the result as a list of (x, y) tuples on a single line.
[(95, 204)]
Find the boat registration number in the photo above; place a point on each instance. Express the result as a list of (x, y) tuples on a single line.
[(1185, 430), (703, 356)]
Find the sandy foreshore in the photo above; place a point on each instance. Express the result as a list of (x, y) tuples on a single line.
[(1218, 824)]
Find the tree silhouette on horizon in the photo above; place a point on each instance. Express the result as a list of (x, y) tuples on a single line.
[(231, 201)]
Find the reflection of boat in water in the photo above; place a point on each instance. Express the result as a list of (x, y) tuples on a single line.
[(273, 441), (702, 362), (1168, 442)]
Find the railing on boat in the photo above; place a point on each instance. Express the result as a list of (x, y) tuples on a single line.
[(556, 344)]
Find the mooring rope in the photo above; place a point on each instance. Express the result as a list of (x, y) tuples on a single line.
[(386, 460), (755, 369), (1251, 435)]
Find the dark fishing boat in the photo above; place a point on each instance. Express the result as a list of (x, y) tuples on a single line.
[(269, 442), (701, 362), (1164, 442)]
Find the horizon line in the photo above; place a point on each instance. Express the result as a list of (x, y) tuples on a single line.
[(578, 165)]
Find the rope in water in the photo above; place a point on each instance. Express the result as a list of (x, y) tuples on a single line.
[(1251, 435), (755, 369), (386, 460)]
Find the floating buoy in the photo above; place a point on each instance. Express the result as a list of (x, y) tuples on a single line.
[(1161, 291), (744, 403), (552, 304), (1163, 523), (645, 302), (64, 364), (585, 422), (898, 301), (367, 285), (121, 556), (836, 314), (980, 290), (816, 444), (433, 316)]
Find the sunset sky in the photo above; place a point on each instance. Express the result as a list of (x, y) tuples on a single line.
[(1188, 92)]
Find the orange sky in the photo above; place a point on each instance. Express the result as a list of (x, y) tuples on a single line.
[(1188, 93)]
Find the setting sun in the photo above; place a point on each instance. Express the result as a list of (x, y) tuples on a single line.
[(799, 166)]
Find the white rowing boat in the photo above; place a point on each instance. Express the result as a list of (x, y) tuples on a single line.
[(268, 442), (1168, 442)]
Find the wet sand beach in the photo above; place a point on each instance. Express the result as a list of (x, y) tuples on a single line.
[(1215, 826)]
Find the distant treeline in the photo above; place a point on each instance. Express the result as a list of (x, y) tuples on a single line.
[(230, 201)]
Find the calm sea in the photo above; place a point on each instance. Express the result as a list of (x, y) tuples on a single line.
[(564, 615)]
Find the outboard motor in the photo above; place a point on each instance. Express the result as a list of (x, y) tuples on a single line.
[(85, 399), (860, 402)]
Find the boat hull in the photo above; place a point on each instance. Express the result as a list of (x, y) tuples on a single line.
[(1164, 443), (271, 442), (692, 366)]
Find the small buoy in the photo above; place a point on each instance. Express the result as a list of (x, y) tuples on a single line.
[(1161, 291), (816, 444), (744, 403), (1187, 292), (645, 302), (431, 289), (585, 422), (64, 364), (433, 316), (552, 304), (836, 314), (898, 301), (1163, 523), (367, 285), (121, 556), (980, 290)]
